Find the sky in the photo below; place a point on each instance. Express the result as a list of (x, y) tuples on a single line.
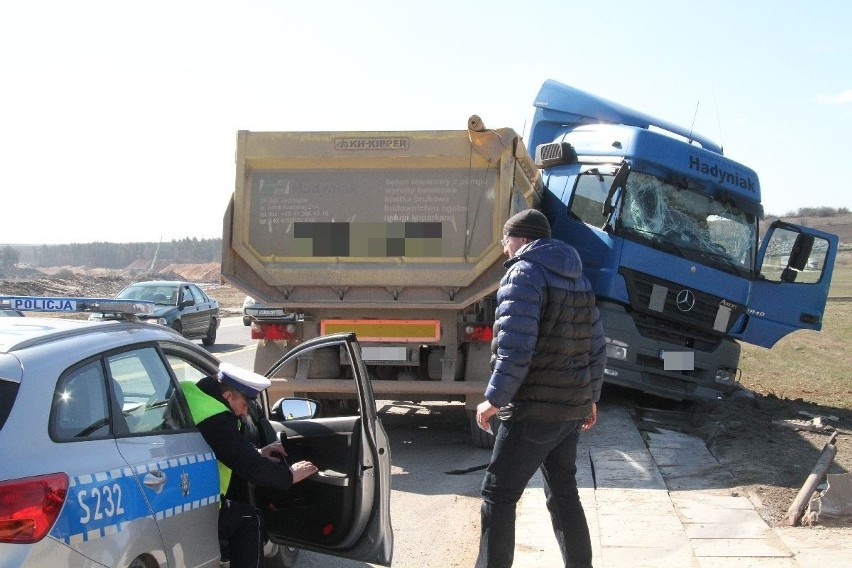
[(118, 119)]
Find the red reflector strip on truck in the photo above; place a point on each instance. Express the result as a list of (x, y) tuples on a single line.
[(410, 331)]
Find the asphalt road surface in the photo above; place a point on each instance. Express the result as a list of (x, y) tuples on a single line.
[(435, 515)]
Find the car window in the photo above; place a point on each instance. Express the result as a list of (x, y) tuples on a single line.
[(8, 394), (161, 295), (80, 404), (320, 363), (185, 370), (146, 391), (199, 296)]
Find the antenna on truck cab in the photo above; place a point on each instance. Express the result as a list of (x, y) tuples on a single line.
[(694, 116)]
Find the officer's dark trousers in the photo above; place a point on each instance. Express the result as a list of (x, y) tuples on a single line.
[(241, 534), (520, 449)]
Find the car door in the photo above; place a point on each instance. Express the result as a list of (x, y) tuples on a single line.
[(205, 308), (344, 509), (796, 267), (106, 516), (190, 315), (173, 465)]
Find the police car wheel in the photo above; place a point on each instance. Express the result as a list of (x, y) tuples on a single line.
[(281, 557)]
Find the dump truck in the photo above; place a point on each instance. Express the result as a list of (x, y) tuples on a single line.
[(392, 235), (396, 236)]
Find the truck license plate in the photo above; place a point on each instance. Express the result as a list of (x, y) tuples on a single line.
[(678, 360)]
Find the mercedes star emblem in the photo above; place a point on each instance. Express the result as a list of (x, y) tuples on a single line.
[(685, 300)]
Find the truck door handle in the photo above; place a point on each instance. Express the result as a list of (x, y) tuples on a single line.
[(809, 318), (155, 479)]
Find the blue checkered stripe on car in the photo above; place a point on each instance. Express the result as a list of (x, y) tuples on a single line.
[(105, 503)]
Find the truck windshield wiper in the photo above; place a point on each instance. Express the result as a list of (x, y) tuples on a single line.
[(669, 246), (716, 258), (656, 239)]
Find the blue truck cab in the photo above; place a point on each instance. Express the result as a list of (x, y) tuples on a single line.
[(668, 229)]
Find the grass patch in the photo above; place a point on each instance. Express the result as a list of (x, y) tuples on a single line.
[(813, 366), (841, 280)]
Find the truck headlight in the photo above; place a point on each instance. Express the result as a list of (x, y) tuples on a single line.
[(725, 376), (616, 349)]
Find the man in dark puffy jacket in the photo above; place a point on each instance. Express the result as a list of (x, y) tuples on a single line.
[(548, 356)]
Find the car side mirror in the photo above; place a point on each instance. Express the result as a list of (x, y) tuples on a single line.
[(293, 409), (185, 303)]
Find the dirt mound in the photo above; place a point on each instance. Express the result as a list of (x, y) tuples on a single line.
[(207, 273), (76, 285), (20, 272), (95, 282)]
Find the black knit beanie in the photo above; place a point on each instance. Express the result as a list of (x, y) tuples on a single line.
[(530, 224)]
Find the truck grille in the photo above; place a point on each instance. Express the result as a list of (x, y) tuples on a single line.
[(674, 313)]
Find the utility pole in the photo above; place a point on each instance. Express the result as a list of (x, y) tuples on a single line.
[(156, 253)]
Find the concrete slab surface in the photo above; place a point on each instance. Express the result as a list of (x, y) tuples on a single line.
[(644, 515)]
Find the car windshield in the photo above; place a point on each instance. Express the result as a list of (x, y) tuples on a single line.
[(689, 223), (162, 295)]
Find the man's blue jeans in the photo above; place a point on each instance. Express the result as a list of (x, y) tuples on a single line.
[(520, 448)]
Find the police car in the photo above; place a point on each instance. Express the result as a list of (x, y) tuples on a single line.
[(102, 466)]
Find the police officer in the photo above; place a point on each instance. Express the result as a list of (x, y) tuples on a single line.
[(217, 403)]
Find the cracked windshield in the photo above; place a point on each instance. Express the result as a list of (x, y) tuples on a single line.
[(674, 219)]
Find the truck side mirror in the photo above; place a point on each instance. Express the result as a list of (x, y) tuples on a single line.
[(801, 251), (617, 182)]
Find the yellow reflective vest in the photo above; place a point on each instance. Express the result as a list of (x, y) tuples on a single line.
[(203, 406)]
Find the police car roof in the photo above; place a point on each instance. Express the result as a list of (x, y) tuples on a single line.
[(16, 333), (20, 332)]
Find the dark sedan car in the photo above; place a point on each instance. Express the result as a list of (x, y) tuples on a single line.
[(183, 306)]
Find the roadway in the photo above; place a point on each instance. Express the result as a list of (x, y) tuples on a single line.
[(660, 502)]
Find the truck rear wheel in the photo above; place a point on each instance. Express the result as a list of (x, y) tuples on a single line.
[(479, 437)]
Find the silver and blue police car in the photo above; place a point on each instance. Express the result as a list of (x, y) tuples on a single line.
[(102, 466)]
